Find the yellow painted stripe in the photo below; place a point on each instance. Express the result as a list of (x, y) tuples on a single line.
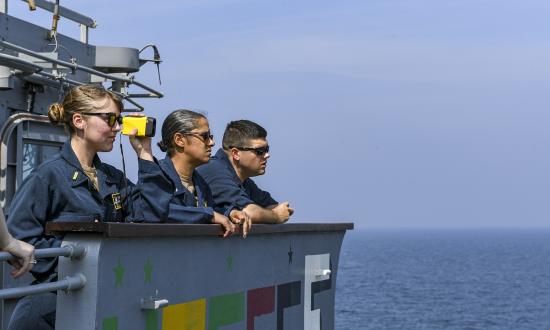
[(187, 316)]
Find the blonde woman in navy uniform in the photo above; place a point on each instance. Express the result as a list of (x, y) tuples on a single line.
[(74, 186), (188, 143)]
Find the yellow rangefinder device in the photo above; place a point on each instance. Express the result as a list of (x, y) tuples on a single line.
[(146, 126)]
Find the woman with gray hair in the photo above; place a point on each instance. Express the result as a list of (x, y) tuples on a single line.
[(188, 143)]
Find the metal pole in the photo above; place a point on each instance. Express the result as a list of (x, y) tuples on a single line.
[(64, 12), (84, 34), (19, 64), (75, 67), (6, 130), (70, 251), (141, 96), (70, 283)]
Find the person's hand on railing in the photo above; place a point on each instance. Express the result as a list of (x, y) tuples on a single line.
[(228, 227), (241, 218), (25, 254), (283, 212)]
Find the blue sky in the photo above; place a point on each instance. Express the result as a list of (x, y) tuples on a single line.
[(394, 113)]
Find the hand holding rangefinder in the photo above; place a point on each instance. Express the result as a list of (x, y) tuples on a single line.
[(146, 126)]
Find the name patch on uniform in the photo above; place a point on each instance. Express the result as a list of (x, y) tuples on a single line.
[(75, 175), (117, 201)]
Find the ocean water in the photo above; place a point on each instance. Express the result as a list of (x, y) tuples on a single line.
[(444, 279)]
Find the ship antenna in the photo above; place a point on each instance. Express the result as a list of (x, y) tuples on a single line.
[(55, 19), (156, 58)]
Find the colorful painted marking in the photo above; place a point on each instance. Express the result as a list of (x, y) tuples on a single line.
[(259, 302), (152, 320), (225, 309), (317, 273), (189, 316), (230, 308), (288, 295)]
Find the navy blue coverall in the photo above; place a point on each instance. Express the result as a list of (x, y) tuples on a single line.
[(58, 190), (227, 189), (179, 203)]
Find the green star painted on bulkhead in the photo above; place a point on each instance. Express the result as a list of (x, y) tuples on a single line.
[(110, 323), (229, 263), (119, 274), (148, 268)]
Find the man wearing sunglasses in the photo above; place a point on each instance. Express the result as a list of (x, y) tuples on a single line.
[(244, 155)]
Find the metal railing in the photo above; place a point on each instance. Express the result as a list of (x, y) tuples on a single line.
[(84, 21), (33, 73), (65, 12), (5, 132), (69, 251), (69, 283), (75, 67), (30, 67)]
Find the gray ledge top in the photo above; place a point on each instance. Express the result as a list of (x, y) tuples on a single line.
[(114, 229)]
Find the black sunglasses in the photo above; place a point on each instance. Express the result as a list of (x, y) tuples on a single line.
[(202, 136), (110, 117), (260, 151)]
